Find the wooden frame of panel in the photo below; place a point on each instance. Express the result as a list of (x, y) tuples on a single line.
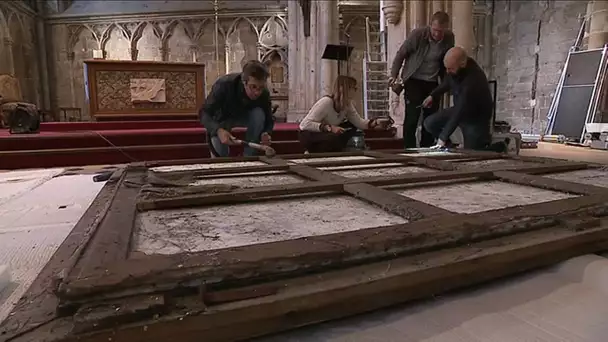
[(97, 270)]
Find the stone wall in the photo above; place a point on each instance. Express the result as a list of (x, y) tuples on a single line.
[(173, 40), (183, 31), (18, 49), (531, 42)]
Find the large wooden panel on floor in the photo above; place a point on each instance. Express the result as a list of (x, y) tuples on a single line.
[(131, 90), (216, 252)]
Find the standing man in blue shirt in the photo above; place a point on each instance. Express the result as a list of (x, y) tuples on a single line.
[(238, 100)]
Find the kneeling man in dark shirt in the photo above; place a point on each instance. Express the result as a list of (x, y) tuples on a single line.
[(238, 100), (472, 110)]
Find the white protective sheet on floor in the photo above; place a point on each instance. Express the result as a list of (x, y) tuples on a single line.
[(565, 303), (37, 212)]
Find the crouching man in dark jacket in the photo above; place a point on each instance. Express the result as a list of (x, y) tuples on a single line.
[(238, 100), (472, 110)]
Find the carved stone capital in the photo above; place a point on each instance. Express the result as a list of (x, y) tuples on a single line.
[(392, 11), (7, 42)]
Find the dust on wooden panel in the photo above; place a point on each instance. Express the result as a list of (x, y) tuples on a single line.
[(208, 228), (475, 197), (326, 159), (250, 180), (492, 163), (597, 177), (388, 169), (188, 167)]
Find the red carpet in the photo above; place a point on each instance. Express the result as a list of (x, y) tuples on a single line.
[(89, 143)]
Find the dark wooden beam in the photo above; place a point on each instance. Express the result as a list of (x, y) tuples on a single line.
[(221, 171), (408, 208), (332, 183), (340, 293), (219, 160), (241, 196), (113, 237), (250, 263), (316, 174), (549, 183), (321, 155)]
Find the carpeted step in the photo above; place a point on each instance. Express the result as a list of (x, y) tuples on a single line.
[(117, 125), (111, 155), (174, 136)]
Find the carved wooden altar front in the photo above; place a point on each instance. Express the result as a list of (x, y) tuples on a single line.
[(119, 90)]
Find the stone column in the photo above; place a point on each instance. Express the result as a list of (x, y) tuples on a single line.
[(309, 76), (598, 24), (437, 5), (397, 19), (328, 34), (417, 12), (43, 58), (447, 7), (8, 45), (462, 24)]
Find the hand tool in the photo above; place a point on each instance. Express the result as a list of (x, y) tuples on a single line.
[(268, 151)]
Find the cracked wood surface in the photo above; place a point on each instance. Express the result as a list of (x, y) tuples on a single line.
[(253, 263), (241, 266), (312, 299)]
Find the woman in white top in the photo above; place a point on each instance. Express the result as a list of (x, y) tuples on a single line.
[(333, 119)]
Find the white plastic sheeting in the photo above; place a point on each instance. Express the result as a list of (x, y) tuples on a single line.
[(37, 212)]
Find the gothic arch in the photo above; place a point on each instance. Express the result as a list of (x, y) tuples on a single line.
[(4, 30), (271, 40), (194, 28), (101, 33), (12, 15), (281, 53), (164, 30), (234, 25), (275, 18)]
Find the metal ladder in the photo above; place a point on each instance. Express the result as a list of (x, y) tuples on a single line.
[(375, 75)]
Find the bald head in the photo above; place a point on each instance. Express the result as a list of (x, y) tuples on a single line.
[(455, 59)]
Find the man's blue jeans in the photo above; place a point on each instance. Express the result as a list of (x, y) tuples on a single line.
[(254, 120)]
